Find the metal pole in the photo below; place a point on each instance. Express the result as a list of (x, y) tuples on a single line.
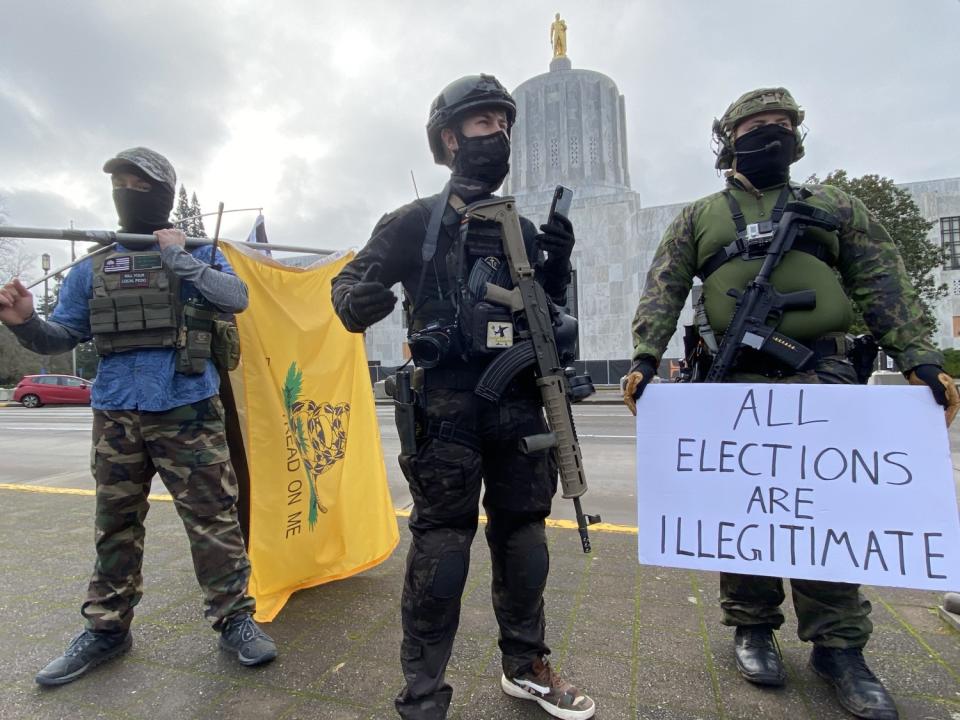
[(98, 251), (104, 237), (45, 264)]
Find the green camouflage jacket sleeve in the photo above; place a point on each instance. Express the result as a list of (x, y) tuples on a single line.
[(875, 278), (668, 283)]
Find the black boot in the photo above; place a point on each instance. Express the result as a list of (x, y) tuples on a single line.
[(86, 651), (758, 657), (858, 689)]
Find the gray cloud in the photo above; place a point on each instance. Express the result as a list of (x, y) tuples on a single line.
[(317, 111)]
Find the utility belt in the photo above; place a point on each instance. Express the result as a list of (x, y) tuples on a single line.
[(838, 345)]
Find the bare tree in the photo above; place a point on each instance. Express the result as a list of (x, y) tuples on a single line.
[(15, 261)]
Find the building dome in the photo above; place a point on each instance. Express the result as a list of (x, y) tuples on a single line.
[(570, 130)]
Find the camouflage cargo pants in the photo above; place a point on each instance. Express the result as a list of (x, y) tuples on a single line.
[(445, 478), (188, 448), (828, 613)]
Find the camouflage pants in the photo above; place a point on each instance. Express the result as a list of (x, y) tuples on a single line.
[(188, 448), (828, 613), (445, 479)]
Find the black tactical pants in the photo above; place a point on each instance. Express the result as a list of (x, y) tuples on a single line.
[(828, 613), (445, 478)]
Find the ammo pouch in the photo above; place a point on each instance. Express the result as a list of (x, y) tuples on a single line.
[(487, 329), (226, 345), (196, 338)]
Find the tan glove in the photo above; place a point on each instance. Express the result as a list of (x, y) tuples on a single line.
[(942, 386), (633, 383)]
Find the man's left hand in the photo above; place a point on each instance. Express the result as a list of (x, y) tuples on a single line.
[(556, 238), (942, 386), (171, 236)]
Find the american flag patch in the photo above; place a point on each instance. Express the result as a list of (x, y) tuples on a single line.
[(120, 263)]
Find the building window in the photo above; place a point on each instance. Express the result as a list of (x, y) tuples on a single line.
[(950, 240), (535, 157), (574, 151), (956, 325), (594, 152), (956, 287), (555, 152)]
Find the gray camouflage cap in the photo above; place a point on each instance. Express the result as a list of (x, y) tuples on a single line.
[(152, 163)]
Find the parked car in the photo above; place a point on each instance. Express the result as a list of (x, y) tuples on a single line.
[(36, 390)]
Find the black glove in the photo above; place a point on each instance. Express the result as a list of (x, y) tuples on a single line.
[(941, 385), (369, 300), (556, 239), (633, 383)]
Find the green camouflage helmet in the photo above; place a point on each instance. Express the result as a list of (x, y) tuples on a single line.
[(747, 105)]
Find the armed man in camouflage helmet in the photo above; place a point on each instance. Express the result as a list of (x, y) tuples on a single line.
[(464, 442), (758, 138), (156, 409)]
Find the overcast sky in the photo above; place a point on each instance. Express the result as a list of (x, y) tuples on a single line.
[(315, 110)]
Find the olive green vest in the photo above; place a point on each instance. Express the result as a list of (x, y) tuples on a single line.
[(136, 305), (714, 228)]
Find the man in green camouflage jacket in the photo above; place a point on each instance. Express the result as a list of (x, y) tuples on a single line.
[(714, 238)]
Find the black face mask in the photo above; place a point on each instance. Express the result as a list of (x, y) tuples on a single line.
[(764, 155), (480, 164), (143, 212)]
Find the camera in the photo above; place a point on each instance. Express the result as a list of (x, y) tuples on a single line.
[(431, 344)]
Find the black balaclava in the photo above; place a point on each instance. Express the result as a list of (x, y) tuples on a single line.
[(144, 212), (764, 155), (480, 164)]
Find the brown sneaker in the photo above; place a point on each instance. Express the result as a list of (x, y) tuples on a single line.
[(554, 694)]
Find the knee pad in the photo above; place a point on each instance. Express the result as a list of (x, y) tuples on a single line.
[(450, 576), (528, 569)]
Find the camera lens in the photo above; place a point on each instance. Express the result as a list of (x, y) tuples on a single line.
[(428, 349)]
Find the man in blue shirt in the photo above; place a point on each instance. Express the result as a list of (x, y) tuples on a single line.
[(156, 410)]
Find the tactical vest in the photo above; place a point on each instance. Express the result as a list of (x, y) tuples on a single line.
[(136, 305), (450, 292), (809, 268)]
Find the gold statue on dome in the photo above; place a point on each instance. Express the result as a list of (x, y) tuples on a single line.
[(558, 36)]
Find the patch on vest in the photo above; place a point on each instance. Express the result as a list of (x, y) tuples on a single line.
[(120, 263), (134, 280), (147, 262), (499, 334)]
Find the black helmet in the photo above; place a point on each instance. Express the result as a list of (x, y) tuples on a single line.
[(467, 93)]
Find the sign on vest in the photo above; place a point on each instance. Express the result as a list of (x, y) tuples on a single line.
[(823, 482)]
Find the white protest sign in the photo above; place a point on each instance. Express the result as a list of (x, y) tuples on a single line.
[(823, 482)]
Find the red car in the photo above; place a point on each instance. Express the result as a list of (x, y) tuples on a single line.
[(36, 390)]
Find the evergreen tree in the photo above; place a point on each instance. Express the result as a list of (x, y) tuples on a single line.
[(896, 210), (183, 210), (196, 227)]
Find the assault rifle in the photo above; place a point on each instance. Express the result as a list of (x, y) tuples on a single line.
[(760, 302), (533, 316)]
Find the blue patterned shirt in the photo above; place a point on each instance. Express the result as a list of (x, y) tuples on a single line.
[(143, 380)]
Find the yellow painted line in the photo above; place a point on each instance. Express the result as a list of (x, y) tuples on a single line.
[(562, 524), (67, 491)]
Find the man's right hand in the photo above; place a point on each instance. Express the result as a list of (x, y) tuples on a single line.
[(16, 303), (633, 383), (370, 300)]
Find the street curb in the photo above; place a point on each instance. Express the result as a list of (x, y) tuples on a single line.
[(10, 403)]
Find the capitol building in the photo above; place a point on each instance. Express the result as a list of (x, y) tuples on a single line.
[(571, 130)]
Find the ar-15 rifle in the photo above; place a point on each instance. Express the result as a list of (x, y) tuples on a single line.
[(532, 313), (761, 302)]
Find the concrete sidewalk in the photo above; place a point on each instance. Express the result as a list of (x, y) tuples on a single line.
[(644, 642)]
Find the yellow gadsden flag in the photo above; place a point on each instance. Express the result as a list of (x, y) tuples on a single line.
[(319, 505)]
